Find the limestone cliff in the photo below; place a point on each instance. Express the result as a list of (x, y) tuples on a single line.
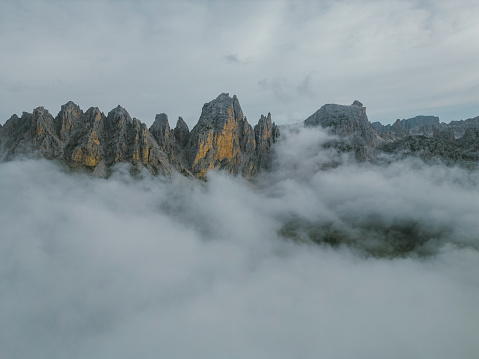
[(350, 124), (89, 140), (33, 133), (173, 142), (419, 125), (224, 139), (266, 134), (421, 136)]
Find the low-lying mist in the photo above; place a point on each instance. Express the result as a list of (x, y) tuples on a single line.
[(319, 258)]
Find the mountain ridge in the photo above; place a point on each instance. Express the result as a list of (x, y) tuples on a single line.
[(224, 139), (93, 141), (421, 136)]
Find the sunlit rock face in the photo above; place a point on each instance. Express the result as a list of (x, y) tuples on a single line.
[(101, 141), (83, 143), (87, 140), (224, 139)]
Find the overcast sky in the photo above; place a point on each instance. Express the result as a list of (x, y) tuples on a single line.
[(400, 58)]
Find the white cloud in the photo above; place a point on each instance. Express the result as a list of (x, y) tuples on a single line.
[(142, 267)]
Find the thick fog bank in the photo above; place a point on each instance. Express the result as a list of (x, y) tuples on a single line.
[(403, 208), (126, 267)]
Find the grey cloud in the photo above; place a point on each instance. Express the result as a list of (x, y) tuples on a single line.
[(232, 58), (279, 87), (284, 89), (304, 88), (235, 59)]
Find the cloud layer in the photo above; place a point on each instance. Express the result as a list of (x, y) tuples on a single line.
[(142, 267), (400, 58)]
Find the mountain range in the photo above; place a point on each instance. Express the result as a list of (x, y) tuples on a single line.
[(223, 139)]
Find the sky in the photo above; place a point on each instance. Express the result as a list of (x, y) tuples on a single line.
[(399, 58), (146, 268)]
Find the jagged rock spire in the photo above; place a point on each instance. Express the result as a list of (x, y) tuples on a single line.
[(181, 132), (222, 139)]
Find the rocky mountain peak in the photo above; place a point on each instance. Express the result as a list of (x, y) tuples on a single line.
[(40, 111), (161, 123), (181, 132), (70, 108), (68, 119), (217, 112), (161, 129), (350, 123), (70, 105), (33, 133), (222, 139), (340, 118), (419, 125), (266, 134), (119, 114)]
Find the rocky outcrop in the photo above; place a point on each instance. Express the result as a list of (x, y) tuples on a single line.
[(161, 131), (224, 139), (266, 134), (350, 124), (89, 140), (173, 142), (425, 126), (33, 133), (460, 127), (427, 138), (420, 136), (443, 147), (181, 133), (347, 121), (419, 125)]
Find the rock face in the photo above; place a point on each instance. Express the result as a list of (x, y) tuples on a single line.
[(266, 134), (32, 133), (88, 140), (224, 139), (347, 122), (172, 142), (420, 136), (92, 141), (419, 125), (460, 127), (442, 146)]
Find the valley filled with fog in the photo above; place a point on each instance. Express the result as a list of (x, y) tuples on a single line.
[(320, 257)]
